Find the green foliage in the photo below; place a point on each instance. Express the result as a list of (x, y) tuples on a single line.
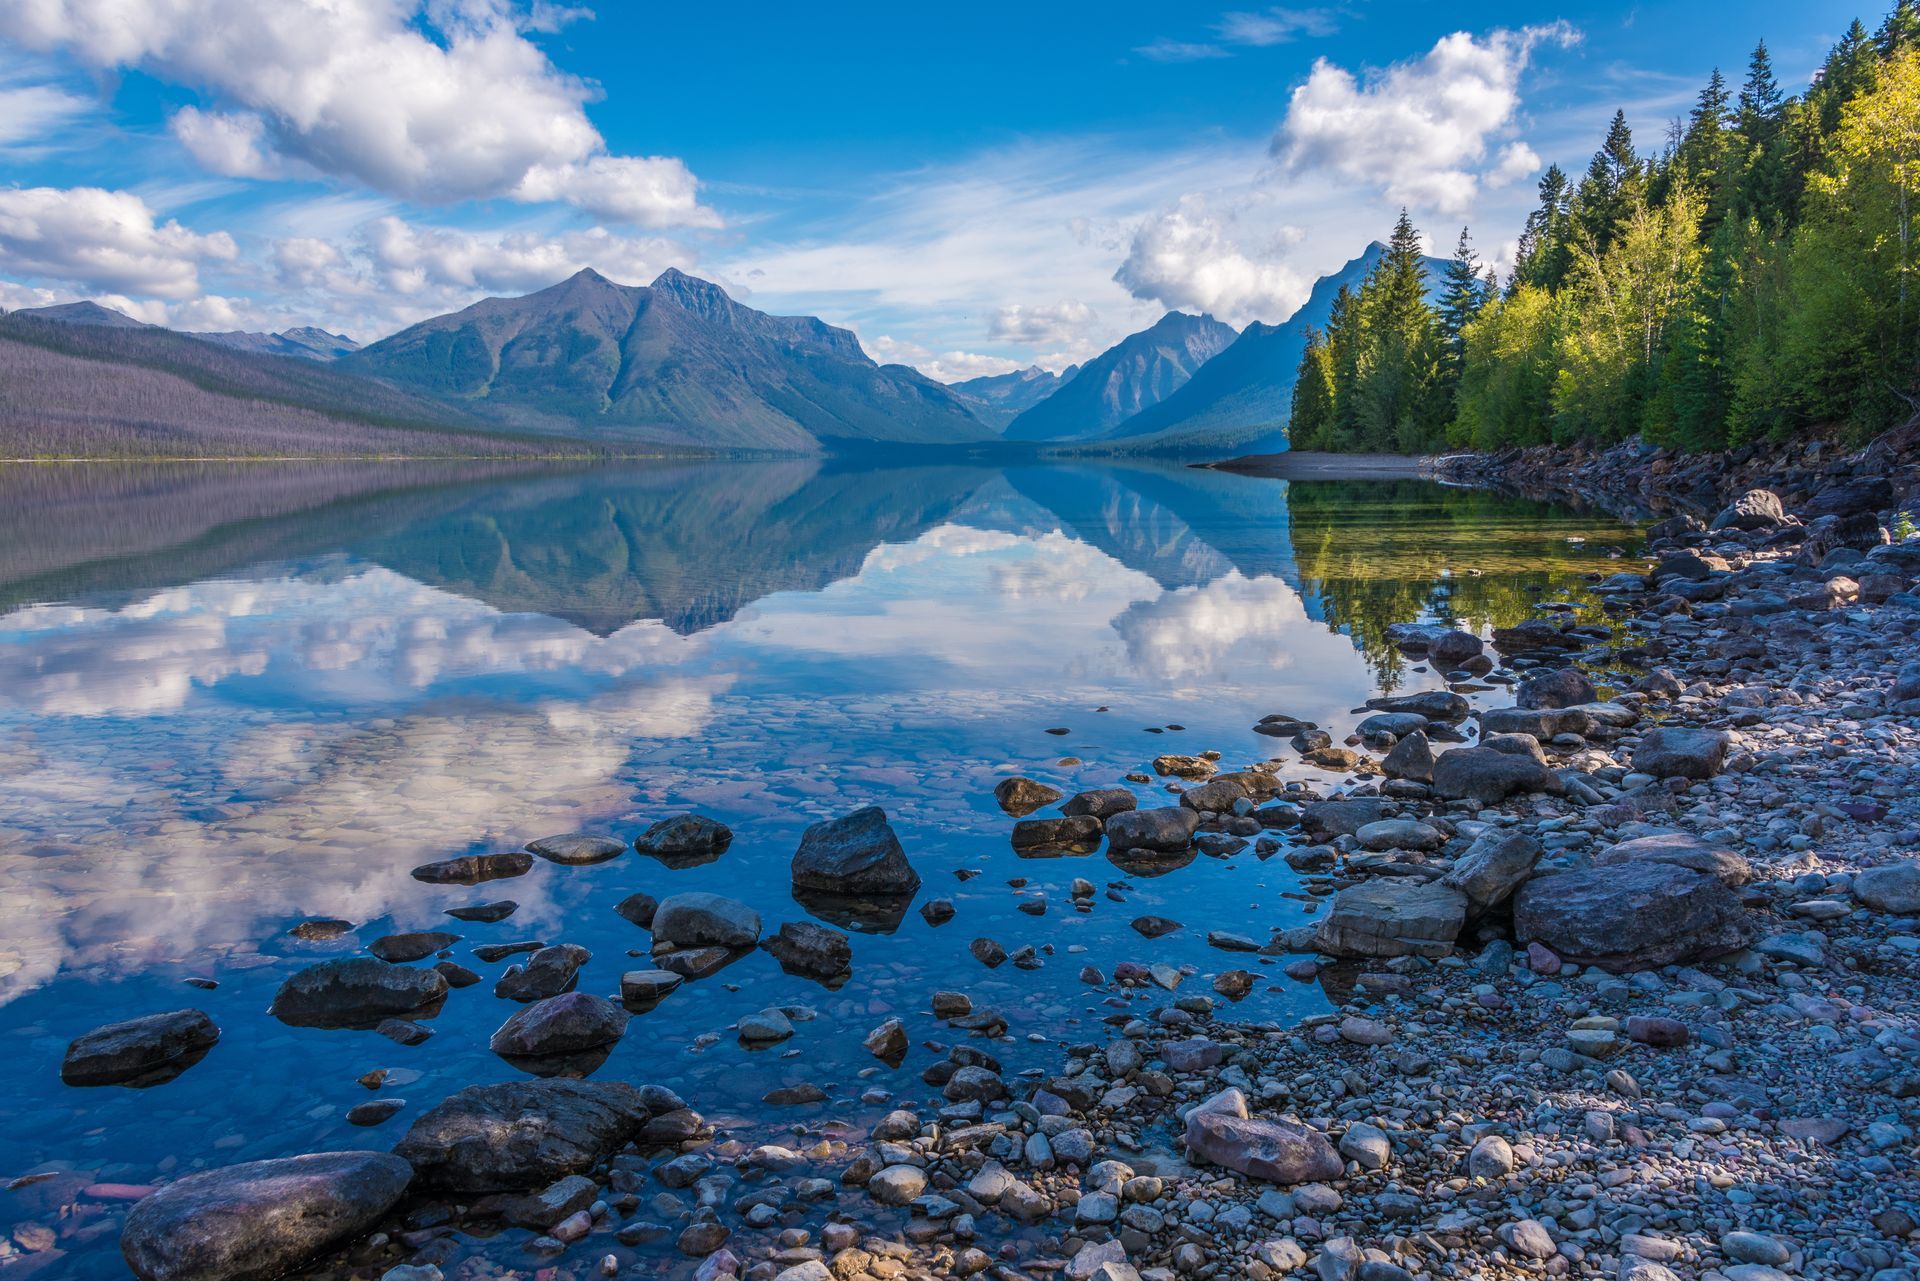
[(1758, 278)]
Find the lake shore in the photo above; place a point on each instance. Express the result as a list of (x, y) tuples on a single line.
[(1307, 465)]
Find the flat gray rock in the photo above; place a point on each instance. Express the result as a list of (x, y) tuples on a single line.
[(1393, 917), (143, 1051), (699, 919), (1634, 916), (356, 992)]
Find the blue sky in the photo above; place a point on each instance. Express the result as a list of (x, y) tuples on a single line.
[(969, 189)]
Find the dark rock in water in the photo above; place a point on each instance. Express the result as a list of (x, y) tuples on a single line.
[(1493, 867), (1020, 796), (1390, 725), (1634, 916), (698, 962), (937, 911), (1562, 688), (685, 840), (1533, 636), (260, 1219), (1327, 819), (862, 913), (1676, 752), (560, 1025), (1411, 758), (1755, 509), (547, 973), (1487, 775), (699, 919), (988, 953), (638, 908), (321, 929), (398, 948), (375, 1111), (857, 854), (810, 950), (1154, 926), (1393, 917), (1452, 647), (1220, 1131), (1102, 803), (1195, 768), (1217, 795), (491, 952), (487, 913), (1681, 850), (1038, 836), (456, 975), (1166, 830), (357, 992), (1434, 704), (520, 1135), (145, 1051), (473, 869), (404, 1031), (576, 850), (1150, 863), (641, 990)]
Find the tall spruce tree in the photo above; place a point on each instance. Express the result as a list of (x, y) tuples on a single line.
[(1311, 425), (1609, 189), (1462, 294), (1543, 257)]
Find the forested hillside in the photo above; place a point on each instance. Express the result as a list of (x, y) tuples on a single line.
[(1752, 277)]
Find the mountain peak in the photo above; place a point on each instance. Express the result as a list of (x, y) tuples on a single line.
[(84, 313), (692, 292)]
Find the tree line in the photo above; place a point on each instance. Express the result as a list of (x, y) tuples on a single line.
[(1754, 277)]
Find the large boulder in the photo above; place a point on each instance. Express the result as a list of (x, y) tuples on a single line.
[(1434, 704), (1633, 916), (1411, 759), (1167, 830), (1020, 796), (571, 1023), (257, 1220), (699, 919), (1680, 850), (1393, 917), (1564, 687), (1487, 775), (855, 855), (1452, 647), (1221, 1132), (521, 1134), (1857, 496), (1101, 803), (1674, 751), (1493, 867), (685, 840), (145, 1051), (548, 972), (810, 950), (1542, 722), (1328, 819), (1891, 887), (1755, 509), (357, 992)]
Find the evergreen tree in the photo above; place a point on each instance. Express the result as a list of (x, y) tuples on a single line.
[(1543, 258), (1310, 425), (1607, 192), (1701, 154), (1757, 123), (1346, 335), (1462, 293), (1395, 405), (1900, 31)]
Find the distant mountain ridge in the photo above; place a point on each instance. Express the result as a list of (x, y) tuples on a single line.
[(997, 399), (1139, 371), (1244, 396), (674, 362), (306, 342)]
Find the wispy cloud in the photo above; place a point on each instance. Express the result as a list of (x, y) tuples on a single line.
[(1245, 29)]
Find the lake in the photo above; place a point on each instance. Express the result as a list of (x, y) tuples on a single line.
[(233, 698)]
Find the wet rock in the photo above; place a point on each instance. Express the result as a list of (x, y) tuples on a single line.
[(1564, 687), (1189, 767), (399, 948), (1434, 704), (486, 913), (638, 908), (1217, 794), (571, 1023), (1221, 1132), (1487, 775), (1020, 796), (685, 840), (374, 1111), (641, 990), (1678, 752), (521, 1134), (888, 1041), (766, 1028), (1680, 850), (578, 849), (1411, 758), (474, 869), (857, 854), (1452, 647), (457, 976), (1399, 834), (1165, 830), (149, 1050), (1389, 917), (1493, 867), (1101, 803), (1891, 887), (1633, 916), (897, 1184), (548, 972), (1154, 927), (698, 919), (356, 992), (321, 929), (814, 951), (1076, 835)]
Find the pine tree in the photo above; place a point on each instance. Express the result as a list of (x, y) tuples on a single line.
[(1543, 259), (1608, 190), (1702, 150), (1757, 123), (1311, 425), (1395, 407), (1346, 334), (1901, 30), (1462, 294)]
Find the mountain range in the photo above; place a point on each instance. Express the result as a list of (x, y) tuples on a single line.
[(595, 366)]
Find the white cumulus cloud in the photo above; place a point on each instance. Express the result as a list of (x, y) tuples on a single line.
[(440, 102), (102, 240), (1187, 259), (1419, 131), (1062, 324)]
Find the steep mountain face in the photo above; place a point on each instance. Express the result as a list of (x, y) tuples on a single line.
[(1241, 399), (998, 399), (1139, 371), (676, 362), (304, 343)]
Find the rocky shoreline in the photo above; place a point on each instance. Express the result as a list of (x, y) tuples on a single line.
[(1625, 984)]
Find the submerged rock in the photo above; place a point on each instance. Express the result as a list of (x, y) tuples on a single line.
[(854, 855), (149, 1050), (259, 1219), (357, 992), (519, 1135)]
